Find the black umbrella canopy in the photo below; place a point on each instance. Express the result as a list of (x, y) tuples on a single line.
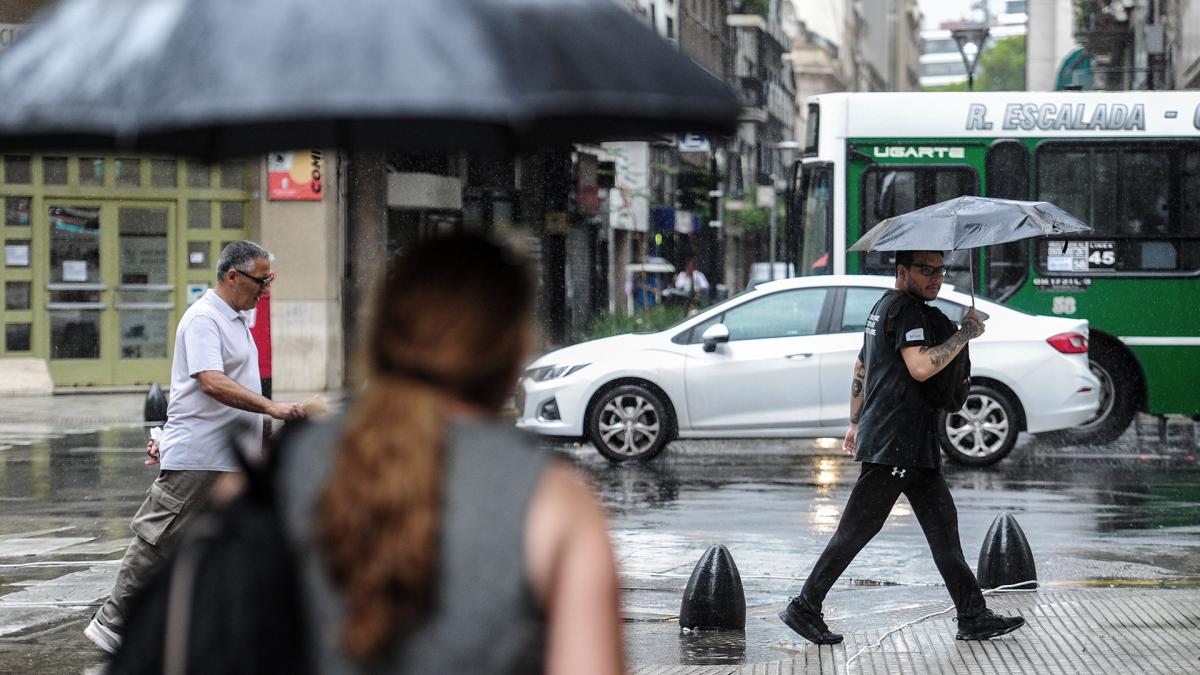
[(222, 78), (968, 222)]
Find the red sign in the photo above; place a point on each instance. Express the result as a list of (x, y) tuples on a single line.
[(587, 184), (294, 176)]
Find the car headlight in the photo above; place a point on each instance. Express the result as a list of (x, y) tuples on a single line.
[(552, 372)]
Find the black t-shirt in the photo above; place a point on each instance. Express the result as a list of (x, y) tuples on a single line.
[(897, 424)]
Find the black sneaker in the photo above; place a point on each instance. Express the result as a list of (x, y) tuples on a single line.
[(987, 624), (809, 624)]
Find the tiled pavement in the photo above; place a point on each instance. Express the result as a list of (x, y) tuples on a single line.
[(1093, 630)]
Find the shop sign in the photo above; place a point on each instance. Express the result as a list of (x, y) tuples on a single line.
[(295, 176), (195, 292)]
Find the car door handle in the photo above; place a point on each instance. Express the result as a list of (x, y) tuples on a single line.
[(798, 357)]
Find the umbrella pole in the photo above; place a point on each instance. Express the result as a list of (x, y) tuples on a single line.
[(971, 263)]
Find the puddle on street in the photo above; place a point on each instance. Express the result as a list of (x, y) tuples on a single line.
[(712, 647)]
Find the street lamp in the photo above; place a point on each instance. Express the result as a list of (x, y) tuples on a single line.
[(970, 41), (783, 149)]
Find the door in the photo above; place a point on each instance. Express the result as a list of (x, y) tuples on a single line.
[(109, 291), (768, 375), (78, 289), (142, 299)]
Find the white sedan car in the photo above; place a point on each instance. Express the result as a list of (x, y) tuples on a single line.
[(776, 362)]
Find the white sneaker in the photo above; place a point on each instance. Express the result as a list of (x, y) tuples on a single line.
[(104, 637)]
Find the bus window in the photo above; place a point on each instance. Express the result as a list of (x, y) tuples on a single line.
[(816, 220), (914, 187), (812, 129), (1139, 198), (1006, 170)]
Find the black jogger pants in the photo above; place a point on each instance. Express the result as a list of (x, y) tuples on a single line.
[(877, 489)]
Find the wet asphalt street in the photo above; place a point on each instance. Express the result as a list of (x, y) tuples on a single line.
[(1126, 515)]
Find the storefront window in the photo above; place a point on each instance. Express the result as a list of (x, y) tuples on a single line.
[(233, 215), (198, 175), (17, 170), (17, 295), (162, 173), (74, 334), (16, 337), (198, 252), (16, 211), (54, 170), (199, 214), (233, 175), (91, 171), (129, 172)]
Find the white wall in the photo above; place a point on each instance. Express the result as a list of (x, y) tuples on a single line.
[(1050, 39), (1188, 68)]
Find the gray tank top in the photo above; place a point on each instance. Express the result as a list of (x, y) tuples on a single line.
[(485, 618)]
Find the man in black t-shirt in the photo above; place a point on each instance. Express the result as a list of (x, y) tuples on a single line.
[(893, 433)]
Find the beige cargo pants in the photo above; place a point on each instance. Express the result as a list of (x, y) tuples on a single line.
[(172, 502)]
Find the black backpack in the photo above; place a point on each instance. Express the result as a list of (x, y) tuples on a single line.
[(229, 601), (948, 390)]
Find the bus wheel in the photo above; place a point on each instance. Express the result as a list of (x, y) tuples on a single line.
[(1118, 398), (983, 431)]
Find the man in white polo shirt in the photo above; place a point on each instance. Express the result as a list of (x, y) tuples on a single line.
[(215, 393)]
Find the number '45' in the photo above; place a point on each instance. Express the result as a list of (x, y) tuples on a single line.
[(1102, 258)]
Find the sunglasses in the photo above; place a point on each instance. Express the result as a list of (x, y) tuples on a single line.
[(930, 270), (262, 283)]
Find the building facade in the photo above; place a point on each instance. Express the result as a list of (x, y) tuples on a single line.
[(1185, 45), (105, 251)]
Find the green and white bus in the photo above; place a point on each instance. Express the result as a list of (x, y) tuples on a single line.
[(1127, 163)]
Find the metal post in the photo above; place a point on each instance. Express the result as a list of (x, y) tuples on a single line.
[(771, 245)]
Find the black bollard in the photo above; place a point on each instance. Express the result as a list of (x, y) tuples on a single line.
[(1006, 558), (155, 409), (714, 597)]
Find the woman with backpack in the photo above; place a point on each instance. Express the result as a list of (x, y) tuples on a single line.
[(434, 537)]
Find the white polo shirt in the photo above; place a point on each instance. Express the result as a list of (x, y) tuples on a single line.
[(211, 336)]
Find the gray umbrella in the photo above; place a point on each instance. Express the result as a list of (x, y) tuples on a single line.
[(218, 78), (968, 222)]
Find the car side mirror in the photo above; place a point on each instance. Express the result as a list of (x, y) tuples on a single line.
[(714, 335), (885, 205)]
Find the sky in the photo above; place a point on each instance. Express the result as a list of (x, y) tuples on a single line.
[(937, 11)]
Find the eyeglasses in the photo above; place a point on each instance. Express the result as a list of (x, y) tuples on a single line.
[(262, 283), (930, 270)]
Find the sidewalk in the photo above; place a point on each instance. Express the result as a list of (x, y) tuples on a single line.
[(1070, 630), (24, 419)]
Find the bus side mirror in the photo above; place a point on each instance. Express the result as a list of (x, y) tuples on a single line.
[(885, 204)]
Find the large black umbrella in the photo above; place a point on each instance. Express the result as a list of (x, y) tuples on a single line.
[(219, 78), (968, 222)]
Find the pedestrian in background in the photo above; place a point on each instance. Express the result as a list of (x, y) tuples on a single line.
[(215, 392), (692, 283), (433, 536), (893, 418)]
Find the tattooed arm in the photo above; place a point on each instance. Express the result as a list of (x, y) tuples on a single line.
[(925, 362), (856, 401)]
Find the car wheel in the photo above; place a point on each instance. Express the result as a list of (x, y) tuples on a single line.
[(983, 431), (629, 422), (1118, 398)]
